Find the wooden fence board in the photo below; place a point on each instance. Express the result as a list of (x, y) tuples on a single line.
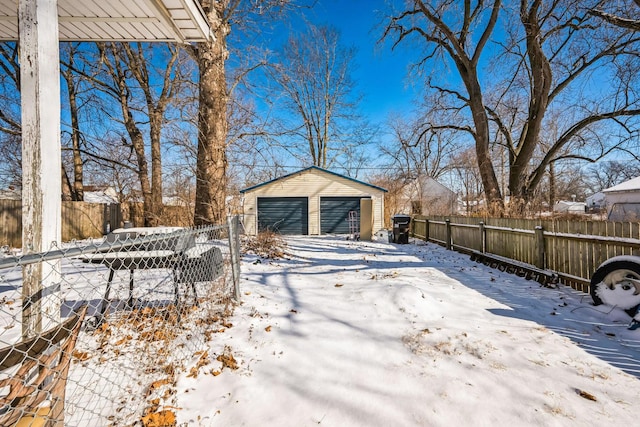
[(80, 220), (578, 251), (10, 222)]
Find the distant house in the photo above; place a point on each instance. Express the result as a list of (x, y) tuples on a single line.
[(564, 206), (596, 201), (426, 196), (623, 201), (100, 194), (92, 194)]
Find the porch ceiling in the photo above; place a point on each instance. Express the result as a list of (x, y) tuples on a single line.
[(119, 20)]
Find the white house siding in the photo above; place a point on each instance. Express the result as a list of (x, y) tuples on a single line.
[(432, 197), (312, 183), (623, 201)]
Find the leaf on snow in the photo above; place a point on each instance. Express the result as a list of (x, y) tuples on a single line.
[(586, 395), (159, 419)]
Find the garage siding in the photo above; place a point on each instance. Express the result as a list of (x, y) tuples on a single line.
[(284, 215)]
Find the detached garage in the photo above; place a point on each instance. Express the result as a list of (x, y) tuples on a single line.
[(311, 201)]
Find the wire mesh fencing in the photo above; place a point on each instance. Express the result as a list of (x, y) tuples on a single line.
[(97, 332)]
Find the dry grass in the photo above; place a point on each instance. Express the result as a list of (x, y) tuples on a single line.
[(266, 244)]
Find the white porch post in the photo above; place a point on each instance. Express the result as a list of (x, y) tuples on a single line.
[(41, 181)]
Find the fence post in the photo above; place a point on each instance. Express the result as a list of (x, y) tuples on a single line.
[(412, 221), (448, 242), (541, 258), (234, 249), (483, 237), (426, 229)]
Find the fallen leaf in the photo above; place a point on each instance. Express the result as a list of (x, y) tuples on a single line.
[(157, 384), (81, 355), (339, 285), (586, 395), (227, 359), (193, 373), (159, 419), (268, 328), (123, 340)]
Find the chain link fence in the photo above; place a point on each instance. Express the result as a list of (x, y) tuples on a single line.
[(102, 332)]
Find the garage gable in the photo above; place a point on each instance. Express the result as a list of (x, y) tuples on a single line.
[(317, 173)]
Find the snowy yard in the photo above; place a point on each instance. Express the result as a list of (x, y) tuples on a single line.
[(348, 333)]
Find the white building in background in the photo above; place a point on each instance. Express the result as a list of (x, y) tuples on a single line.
[(564, 206), (426, 196), (623, 201), (100, 194), (596, 201)]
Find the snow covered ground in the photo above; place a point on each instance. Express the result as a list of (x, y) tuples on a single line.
[(349, 333)]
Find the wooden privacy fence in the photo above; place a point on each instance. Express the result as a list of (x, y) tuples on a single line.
[(80, 220), (572, 249)]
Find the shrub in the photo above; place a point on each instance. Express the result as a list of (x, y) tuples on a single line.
[(266, 244)]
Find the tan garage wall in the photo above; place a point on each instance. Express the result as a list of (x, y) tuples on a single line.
[(313, 183)]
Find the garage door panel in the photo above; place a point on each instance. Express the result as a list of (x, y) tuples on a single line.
[(285, 215), (334, 214)]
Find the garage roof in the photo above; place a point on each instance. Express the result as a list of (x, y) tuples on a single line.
[(631, 185), (308, 169), (119, 20)]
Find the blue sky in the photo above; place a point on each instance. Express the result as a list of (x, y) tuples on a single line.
[(380, 73)]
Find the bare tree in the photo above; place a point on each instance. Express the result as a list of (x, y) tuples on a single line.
[(10, 129), (615, 16), (214, 97), (157, 101), (419, 149), (465, 171), (458, 42), (607, 174), (73, 81), (313, 71), (10, 85), (549, 53), (140, 81), (10, 121)]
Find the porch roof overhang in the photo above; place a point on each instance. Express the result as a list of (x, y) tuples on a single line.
[(180, 21)]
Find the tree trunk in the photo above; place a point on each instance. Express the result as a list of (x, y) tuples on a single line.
[(137, 141), (77, 192), (156, 107), (541, 77), (155, 126), (211, 163), (78, 184), (492, 193), (118, 71), (67, 195)]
